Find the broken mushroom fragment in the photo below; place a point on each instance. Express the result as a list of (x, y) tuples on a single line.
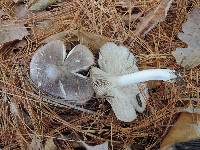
[(103, 146), (56, 74), (118, 77)]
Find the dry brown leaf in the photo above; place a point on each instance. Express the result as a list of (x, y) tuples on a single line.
[(91, 40), (184, 129), (12, 32), (49, 145), (189, 57), (155, 16)]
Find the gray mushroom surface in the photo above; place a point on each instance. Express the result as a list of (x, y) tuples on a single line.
[(55, 73)]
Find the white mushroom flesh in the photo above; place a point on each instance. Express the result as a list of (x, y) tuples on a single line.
[(125, 100)]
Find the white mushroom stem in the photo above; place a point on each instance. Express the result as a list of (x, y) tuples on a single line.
[(145, 75)]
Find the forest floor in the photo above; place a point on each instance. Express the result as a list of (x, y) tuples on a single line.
[(30, 117)]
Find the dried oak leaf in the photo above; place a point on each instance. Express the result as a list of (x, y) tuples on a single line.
[(11, 32), (189, 57), (185, 129), (155, 16)]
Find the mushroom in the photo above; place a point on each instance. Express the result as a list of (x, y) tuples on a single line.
[(58, 75), (118, 77), (103, 146)]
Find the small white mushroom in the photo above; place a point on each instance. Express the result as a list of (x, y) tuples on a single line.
[(118, 77), (52, 72)]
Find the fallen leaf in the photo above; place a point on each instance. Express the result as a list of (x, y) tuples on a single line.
[(41, 4), (103, 146), (189, 57), (155, 16), (12, 32), (186, 128), (21, 11), (92, 40)]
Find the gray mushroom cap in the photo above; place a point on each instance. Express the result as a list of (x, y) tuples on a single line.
[(57, 75)]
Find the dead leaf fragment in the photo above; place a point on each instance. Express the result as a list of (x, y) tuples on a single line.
[(185, 129), (91, 40), (21, 11), (12, 32), (41, 4), (189, 57), (155, 16)]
